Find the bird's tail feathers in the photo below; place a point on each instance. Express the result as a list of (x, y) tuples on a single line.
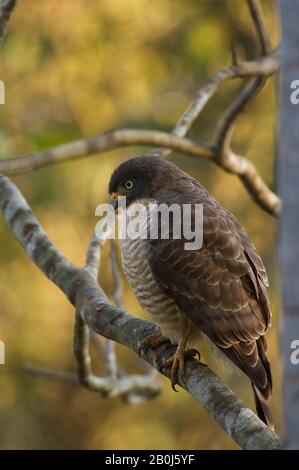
[(252, 360), (263, 407)]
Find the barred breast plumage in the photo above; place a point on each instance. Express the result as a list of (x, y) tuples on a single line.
[(163, 310)]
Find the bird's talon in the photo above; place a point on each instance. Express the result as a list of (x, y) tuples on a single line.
[(177, 364), (154, 341)]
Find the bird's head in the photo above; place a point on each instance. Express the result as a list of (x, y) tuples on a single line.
[(141, 178)]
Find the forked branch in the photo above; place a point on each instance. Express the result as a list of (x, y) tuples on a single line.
[(6, 8), (219, 151)]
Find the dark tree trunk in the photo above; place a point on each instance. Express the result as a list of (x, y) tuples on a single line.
[(288, 178)]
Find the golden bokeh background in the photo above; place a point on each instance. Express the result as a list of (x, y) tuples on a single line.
[(72, 69)]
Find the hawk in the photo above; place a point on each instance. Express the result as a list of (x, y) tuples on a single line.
[(218, 291)]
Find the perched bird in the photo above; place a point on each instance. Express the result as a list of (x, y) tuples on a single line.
[(218, 291)]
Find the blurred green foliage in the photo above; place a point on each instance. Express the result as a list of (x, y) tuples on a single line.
[(76, 68)]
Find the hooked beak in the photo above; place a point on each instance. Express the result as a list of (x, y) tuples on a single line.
[(114, 200)]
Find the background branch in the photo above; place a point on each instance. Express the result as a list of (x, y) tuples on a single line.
[(6, 8), (238, 165), (249, 91), (90, 300), (219, 151), (133, 388), (117, 298)]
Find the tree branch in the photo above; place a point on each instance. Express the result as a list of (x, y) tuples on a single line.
[(249, 91), (99, 144), (260, 28), (124, 137), (89, 299), (117, 298), (266, 67), (219, 152), (141, 384)]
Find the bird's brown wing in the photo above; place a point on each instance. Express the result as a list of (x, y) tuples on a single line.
[(221, 287)]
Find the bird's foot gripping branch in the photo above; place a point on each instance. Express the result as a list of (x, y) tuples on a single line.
[(94, 314)]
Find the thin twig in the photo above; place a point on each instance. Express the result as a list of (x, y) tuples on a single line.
[(52, 374), (115, 383), (219, 152), (260, 27), (249, 91), (141, 384), (80, 285), (124, 137), (81, 341), (6, 8), (133, 388), (117, 290), (99, 144)]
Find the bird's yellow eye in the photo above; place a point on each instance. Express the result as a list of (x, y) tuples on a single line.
[(129, 184)]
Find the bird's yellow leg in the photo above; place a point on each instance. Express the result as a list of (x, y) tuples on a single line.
[(177, 361)]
